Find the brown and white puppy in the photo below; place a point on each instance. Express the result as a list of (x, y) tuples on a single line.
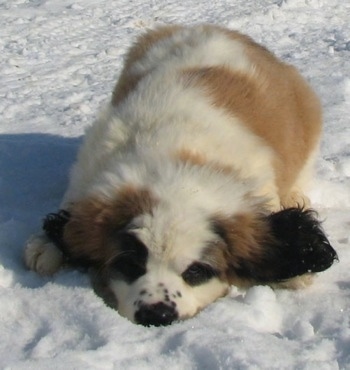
[(192, 179)]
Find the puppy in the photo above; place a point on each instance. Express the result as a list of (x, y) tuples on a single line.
[(192, 179)]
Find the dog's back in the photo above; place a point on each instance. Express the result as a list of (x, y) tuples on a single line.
[(208, 94)]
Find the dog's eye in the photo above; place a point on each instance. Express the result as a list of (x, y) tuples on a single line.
[(129, 269), (131, 262), (198, 273)]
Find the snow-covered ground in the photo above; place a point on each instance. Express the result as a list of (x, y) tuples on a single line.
[(59, 60)]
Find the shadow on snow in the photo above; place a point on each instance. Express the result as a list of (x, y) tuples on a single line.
[(34, 172)]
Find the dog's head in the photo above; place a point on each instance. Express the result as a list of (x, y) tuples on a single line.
[(158, 261)]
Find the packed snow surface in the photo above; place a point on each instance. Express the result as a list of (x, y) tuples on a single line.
[(59, 60)]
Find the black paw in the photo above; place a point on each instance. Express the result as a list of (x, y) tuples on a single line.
[(301, 245), (53, 225)]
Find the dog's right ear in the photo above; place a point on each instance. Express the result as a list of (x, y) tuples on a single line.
[(74, 233), (79, 233), (87, 235)]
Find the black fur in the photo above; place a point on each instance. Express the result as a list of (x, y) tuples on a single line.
[(158, 314), (198, 273), (53, 226), (304, 245), (298, 246), (130, 264)]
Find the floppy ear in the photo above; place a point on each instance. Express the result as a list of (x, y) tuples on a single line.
[(276, 247), (79, 234), (87, 235)]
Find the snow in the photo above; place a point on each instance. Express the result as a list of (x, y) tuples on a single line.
[(59, 60)]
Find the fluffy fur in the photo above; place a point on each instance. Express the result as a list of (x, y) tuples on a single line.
[(192, 179)]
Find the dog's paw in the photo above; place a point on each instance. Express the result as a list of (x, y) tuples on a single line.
[(42, 256), (298, 282), (296, 199)]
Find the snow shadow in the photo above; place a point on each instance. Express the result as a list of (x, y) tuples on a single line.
[(34, 172)]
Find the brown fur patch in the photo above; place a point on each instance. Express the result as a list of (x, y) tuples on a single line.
[(127, 80), (199, 159), (244, 236), (215, 255), (274, 102), (93, 221)]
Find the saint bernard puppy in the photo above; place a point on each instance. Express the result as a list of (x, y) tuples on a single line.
[(192, 179)]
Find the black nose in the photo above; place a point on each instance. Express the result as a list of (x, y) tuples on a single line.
[(157, 314)]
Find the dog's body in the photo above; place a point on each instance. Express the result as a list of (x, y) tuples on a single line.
[(178, 187)]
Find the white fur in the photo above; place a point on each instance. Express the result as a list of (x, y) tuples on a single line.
[(42, 256), (136, 142), (162, 116), (165, 277), (132, 144), (194, 47)]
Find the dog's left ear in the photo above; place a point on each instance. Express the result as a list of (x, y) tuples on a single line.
[(276, 247)]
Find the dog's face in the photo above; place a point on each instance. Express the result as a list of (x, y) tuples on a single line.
[(163, 275), (163, 262)]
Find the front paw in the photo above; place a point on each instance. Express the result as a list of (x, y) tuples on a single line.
[(42, 256)]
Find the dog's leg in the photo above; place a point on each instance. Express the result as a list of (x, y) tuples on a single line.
[(307, 246), (270, 193), (298, 282), (296, 196), (42, 255)]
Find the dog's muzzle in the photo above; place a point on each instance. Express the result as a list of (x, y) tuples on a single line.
[(158, 314)]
